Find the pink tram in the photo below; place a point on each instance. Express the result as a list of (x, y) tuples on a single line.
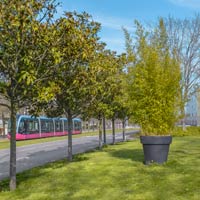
[(29, 127)]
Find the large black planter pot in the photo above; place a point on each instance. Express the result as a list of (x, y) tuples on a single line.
[(155, 148)]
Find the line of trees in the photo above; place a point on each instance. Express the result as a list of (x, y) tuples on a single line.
[(57, 66), (61, 67)]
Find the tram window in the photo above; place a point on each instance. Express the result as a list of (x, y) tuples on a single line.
[(22, 127), (65, 125), (28, 126), (58, 126), (77, 125), (46, 125)]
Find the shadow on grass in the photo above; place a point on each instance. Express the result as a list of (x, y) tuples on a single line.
[(132, 154), (40, 171), (22, 177), (79, 158)]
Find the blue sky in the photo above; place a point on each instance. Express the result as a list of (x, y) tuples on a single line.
[(113, 14)]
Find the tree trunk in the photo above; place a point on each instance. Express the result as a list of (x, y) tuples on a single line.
[(4, 125), (104, 130), (13, 148), (183, 121), (113, 130), (183, 125), (100, 134), (93, 125), (70, 128), (88, 126), (123, 129)]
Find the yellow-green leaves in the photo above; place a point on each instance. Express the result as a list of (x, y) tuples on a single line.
[(28, 77), (25, 49), (47, 94), (74, 53), (153, 84)]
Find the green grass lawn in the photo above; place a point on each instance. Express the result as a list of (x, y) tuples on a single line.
[(116, 172), (5, 143)]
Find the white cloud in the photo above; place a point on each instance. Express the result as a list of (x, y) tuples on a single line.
[(112, 33), (114, 22), (195, 4)]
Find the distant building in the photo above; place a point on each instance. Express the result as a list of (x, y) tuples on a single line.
[(193, 110)]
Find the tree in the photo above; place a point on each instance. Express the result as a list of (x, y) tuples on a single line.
[(74, 74), (25, 64), (108, 68), (122, 108), (153, 83), (116, 93), (130, 56), (184, 40)]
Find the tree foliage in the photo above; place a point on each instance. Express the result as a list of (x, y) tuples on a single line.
[(25, 40), (75, 76), (108, 68), (153, 83)]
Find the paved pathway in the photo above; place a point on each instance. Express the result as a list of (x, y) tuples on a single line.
[(30, 156)]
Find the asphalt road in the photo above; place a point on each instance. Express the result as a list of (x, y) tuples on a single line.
[(30, 156)]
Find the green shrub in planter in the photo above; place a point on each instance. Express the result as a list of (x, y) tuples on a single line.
[(154, 84)]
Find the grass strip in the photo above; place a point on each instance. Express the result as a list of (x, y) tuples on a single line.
[(5, 143), (115, 173)]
